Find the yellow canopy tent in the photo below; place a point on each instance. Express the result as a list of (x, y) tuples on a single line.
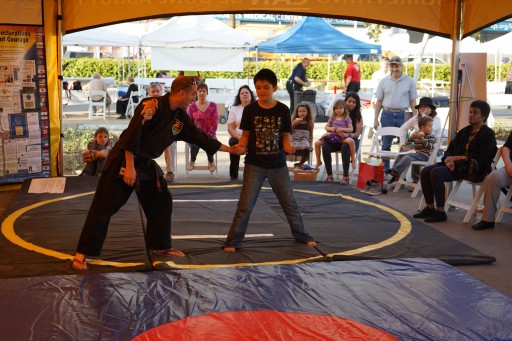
[(449, 18)]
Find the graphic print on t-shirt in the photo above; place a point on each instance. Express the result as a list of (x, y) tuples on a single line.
[(267, 128)]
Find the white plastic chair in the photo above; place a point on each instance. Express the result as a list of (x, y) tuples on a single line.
[(477, 195), (198, 167), (375, 149), (504, 208), (338, 170), (417, 186), (101, 104), (130, 108)]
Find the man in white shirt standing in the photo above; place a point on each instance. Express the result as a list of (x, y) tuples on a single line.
[(395, 94)]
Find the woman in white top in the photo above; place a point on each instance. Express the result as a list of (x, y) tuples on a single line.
[(425, 107), (244, 97)]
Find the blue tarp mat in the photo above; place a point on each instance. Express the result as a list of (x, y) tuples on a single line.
[(410, 299)]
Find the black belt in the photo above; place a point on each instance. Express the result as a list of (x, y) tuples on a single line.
[(394, 110)]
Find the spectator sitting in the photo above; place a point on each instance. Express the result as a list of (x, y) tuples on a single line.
[(422, 143), (205, 116), (425, 108), (97, 84), (96, 153), (473, 142), (122, 102), (493, 183), (302, 132), (338, 129), (353, 105)]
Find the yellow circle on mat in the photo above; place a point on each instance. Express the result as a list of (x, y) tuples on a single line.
[(10, 234)]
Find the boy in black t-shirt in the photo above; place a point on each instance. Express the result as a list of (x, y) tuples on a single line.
[(266, 127)]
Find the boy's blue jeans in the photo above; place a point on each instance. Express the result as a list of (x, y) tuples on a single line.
[(279, 180)]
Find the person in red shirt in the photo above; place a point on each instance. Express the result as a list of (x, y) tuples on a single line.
[(352, 77)]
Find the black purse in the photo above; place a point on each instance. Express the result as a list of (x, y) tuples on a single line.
[(468, 170)]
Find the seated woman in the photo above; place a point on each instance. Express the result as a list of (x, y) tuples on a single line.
[(353, 105), (493, 184), (474, 142), (205, 116), (96, 153), (425, 108), (122, 102)]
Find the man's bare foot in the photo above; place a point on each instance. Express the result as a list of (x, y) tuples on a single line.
[(311, 243), (79, 262), (229, 249)]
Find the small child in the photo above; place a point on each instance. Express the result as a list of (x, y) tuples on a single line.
[(338, 127), (423, 144), (96, 152), (266, 127), (302, 132)]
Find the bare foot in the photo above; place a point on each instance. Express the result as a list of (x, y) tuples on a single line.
[(311, 243), (229, 249), (353, 162), (318, 164), (79, 262)]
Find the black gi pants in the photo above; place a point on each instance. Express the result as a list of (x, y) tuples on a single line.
[(111, 194)]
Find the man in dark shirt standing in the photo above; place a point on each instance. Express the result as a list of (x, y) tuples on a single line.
[(297, 80)]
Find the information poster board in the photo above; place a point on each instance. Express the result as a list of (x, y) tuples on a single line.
[(24, 127)]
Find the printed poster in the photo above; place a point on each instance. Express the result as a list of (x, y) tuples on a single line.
[(24, 137)]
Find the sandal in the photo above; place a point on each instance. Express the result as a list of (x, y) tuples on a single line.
[(80, 265), (169, 177), (169, 253), (344, 181), (330, 178)]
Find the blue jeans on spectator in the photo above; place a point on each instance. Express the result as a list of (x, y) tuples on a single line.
[(390, 119), (432, 180), (279, 180)]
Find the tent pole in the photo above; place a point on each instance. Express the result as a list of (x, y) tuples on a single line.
[(456, 36)]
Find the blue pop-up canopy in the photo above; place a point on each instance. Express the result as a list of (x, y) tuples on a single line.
[(315, 35)]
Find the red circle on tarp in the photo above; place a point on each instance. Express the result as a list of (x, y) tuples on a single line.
[(264, 325)]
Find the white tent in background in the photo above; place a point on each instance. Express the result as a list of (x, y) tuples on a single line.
[(199, 42), (496, 48), (114, 35)]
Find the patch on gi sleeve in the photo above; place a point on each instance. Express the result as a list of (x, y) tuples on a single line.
[(176, 128)]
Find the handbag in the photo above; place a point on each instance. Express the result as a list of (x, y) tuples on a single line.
[(369, 172), (468, 170)]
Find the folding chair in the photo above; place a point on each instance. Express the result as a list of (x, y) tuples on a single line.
[(504, 208), (477, 195), (102, 104), (375, 149), (417, 186), (338, 170), (196, 167), (130, 108)]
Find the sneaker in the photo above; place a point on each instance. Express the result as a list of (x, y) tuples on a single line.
[(436, 217), (191, 165), (483, 225), (211, 167), (425, 213)]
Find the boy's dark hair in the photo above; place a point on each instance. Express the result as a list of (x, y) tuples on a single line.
[(422, 120), (101, 130), (266, 75), (484, 107)]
